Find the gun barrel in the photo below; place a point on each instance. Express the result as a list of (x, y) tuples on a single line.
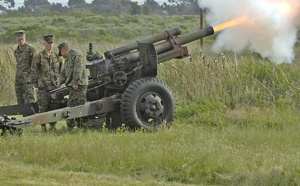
[(201, 33), (156, 38), (168, 45), (184, 39)]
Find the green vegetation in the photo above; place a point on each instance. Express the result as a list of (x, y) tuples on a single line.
[(86, 27), (120, 7), (186, 153), (237, 118)]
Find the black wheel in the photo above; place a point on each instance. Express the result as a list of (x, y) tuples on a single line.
[(95, 122), (113, 120), (10, 130), (147, 103)]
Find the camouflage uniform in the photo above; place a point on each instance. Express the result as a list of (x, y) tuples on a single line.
[(73, 74), (45, 71), (23, 87)]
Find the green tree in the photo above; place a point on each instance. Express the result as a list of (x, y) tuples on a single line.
[(58, 7), (76, 2), (182, 6), (119, 7), (35, 3), (146, 10), (180, 1), (170, 9), (153, 5), (98, 2), (7, 3), (135, 8)]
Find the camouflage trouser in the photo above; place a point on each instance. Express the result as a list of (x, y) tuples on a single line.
[(76, 97), (46, 104), (24, 93)]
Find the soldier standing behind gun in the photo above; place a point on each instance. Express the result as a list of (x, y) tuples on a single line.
[(73, 75), (45, 70), (24, 55)]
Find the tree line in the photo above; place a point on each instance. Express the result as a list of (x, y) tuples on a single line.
[(120, 7)]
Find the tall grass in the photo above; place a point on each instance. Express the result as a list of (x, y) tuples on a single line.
[(237, 82), (236, 123), (217, 84), (7, 71), (182, 154), (96, 28)]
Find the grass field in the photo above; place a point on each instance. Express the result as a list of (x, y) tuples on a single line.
[(184, 154), (236, 124)]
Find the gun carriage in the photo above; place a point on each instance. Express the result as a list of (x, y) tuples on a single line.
[(123, 87)]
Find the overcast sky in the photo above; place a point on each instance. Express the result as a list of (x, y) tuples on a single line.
[(20, 3)]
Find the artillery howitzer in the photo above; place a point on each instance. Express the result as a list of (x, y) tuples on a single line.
[(123, 88)]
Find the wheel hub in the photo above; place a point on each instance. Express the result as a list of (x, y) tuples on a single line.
[(153, 106)]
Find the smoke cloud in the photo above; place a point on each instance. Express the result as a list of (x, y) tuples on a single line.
[(271, 29)]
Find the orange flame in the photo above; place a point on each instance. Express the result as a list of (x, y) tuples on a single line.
[(289, 8), (285, 7), (231, 23)]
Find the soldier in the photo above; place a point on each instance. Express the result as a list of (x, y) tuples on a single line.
[(24, 55), (73, 75), (46, 68)]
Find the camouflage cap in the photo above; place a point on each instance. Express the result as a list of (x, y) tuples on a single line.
[(61, 46), (48, 38), (20, 34)]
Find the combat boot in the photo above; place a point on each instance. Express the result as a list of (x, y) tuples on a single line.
[(44, 128), (52, 127), (70, 124)]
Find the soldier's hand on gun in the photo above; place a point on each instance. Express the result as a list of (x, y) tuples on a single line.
[(57, 85), (75, 87), (36, 89)]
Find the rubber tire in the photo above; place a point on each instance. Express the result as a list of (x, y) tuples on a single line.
[(136, 91), (113, 121), (95, 122), (6, 130)]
